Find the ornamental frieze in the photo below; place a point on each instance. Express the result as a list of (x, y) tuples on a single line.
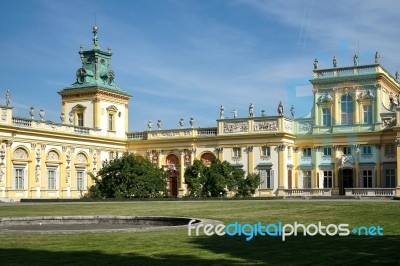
[(265, 125), (232, 127)]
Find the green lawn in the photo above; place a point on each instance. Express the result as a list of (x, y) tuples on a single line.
[(175, 247)]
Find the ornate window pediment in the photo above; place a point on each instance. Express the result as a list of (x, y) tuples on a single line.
[(366, 95), (20, 153), (53, 156), (81, 159), (112, 109), (325, 98)]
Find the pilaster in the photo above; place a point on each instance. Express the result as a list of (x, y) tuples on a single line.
[(250, 160), (336, 150), (281, 168)]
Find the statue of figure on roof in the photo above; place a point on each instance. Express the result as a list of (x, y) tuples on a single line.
[(334, 61), (280, 108), (377, 58), (315, 64), (181, 122), (397, 76), (8, 96), (191, 122), (355, 59), (159, 124), (221, 112), (149, 124), (251, 110), (292, 111)]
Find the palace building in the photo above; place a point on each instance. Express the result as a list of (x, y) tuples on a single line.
[(346, 145)]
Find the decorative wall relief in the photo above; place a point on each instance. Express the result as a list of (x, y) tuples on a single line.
[(235, 127), (265, 125)]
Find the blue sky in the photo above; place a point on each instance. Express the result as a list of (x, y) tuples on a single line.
[(184, 58)]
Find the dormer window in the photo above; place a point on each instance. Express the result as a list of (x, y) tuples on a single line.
[(111, 115), (78, 112)]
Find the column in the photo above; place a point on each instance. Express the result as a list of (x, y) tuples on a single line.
[(336, 120), (315, 180), (316, 108), (181, 188), (378, 165), (377, 103), (250, 160), (357, 110), (281, 169), (220, 154), (357, 172), (159, 158), (96, 113), (295, 173), (398, 169), (9, 165), (335, 190)]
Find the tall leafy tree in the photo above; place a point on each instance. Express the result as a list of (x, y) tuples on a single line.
[(128, 176)]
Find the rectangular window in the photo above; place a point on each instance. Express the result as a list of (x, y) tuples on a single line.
[(289, 152), (326, 116), (110, 122), (111, 155), (306, 179), (389, 149), (367, 178), (266, 178), (266, 151), (390, 178), (366, 150), (80, 180), (80, 119), (327, 179), (327, 151), (19, 178), (307, 152), (347, 150), (51, 179), (367, 111), (237, 152)]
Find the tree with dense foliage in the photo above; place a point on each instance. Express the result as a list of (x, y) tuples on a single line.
[(127, 177), (218, 179)]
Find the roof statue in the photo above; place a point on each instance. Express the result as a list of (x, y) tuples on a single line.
[(315, 64), (377, 58), (334, 61)]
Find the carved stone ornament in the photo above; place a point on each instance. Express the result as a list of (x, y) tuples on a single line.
[(265, 125), (235, 127), (53, 156), (20, 154), (326, 97), (80, 158)]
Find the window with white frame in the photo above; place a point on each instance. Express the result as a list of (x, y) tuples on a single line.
[(328, 179), (52, 178), (110, 122), (306, 179), (80, 179), (367, 112), (327, 151), (266, 176), (390, 178), (307, 152), (19, 177), (346, 109), (80, 120), (266, 151), (347, 150), (389, 149), (367, 178), (237, 152), (326, 117), (366, 150)]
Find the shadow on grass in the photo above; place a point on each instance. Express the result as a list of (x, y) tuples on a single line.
[(352, 250)]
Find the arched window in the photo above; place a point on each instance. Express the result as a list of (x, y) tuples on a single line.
[(346, 109), (207, 158)]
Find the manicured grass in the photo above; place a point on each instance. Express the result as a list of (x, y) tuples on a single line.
[(177, 248)]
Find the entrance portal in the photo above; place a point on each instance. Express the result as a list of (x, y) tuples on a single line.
[(346, 180)]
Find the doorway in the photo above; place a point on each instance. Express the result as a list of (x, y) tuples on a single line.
[(346, 180)]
